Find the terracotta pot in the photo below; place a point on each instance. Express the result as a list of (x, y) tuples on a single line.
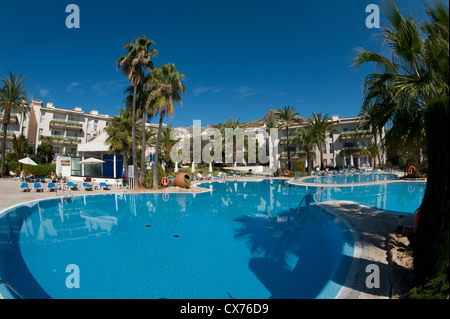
[(180, 180)]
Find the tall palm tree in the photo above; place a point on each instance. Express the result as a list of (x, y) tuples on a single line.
[(12, 97), (321, 124), (308, 137), (144, 110), (233, 124), (133, 65), (119, 136), (288, 117), (410, 89), (166, 89)]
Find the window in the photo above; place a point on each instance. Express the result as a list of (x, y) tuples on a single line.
[(59, 117), (24, 129), (349, 145), (57, 133), (41, 131), (95, 124), (73, 119), (71, 134), (331, 147), (330, 135), (42, 117)]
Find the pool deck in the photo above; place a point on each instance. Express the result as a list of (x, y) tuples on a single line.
[(370, 227)]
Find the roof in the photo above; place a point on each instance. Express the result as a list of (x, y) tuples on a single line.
[(96, 145)]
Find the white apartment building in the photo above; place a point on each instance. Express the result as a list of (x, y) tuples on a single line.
[(66, 127)]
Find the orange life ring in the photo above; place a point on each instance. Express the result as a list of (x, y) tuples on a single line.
[(411, 170), (286, 172), (165, 181)]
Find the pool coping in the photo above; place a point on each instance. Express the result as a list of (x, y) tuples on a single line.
[(393, 180)]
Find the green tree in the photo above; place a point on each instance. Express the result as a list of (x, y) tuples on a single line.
[(119, 136), (167, 143), (321, 124), (233, 124), (45, 151), (308, 137), (373, 151), (12, 97), (133, 65), (410, 91), (21, 148), (167, 89), (288, 117)]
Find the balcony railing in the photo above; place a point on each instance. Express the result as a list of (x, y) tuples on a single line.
[(66, 125), (355, 135), (65, 140)]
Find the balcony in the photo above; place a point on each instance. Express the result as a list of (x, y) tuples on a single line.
[(65, 140), (297, 155), (355, 135), (347, 151), (65, 125)]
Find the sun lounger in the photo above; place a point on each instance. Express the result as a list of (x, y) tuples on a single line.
[(104, 185), (72, 185), (24, 187), (37, 187), (87, 187), (51, 186)]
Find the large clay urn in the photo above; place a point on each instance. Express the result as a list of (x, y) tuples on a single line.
[(180, 180)]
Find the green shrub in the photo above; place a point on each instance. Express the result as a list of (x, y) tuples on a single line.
[(299, 167), (40, 170), (148, 180)]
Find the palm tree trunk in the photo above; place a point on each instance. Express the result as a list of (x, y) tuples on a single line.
[(125, 162), (133, 136), (158, 142), (3, 148), (143, 147), (308, 160), (288, 151), (431, 240)]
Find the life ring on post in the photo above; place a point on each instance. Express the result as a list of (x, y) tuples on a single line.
[(165, 181), (411, 170), (286, 172)]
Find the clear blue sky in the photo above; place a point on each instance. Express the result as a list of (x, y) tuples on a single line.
[(241, 58)]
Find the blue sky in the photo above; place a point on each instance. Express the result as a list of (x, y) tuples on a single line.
[(241, 58)]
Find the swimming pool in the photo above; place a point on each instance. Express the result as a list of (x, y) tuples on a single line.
[(350, 178), (240, 240), (397, 197)]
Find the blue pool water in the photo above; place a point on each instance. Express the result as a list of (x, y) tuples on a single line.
[(397, 197), (241, 240), (350, 178)]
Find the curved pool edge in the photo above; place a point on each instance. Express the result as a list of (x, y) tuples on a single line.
[(347, 290)]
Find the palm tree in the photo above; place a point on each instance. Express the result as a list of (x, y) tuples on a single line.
[(45, 150), (132, 66), (20, 147), (233, 124), (167, 89), (12, 97), (119, 138), (321, 124), (410, 90), (167, 143), (288, 117), (271, 122), (144, 110), (308, 137), (373, 151)]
